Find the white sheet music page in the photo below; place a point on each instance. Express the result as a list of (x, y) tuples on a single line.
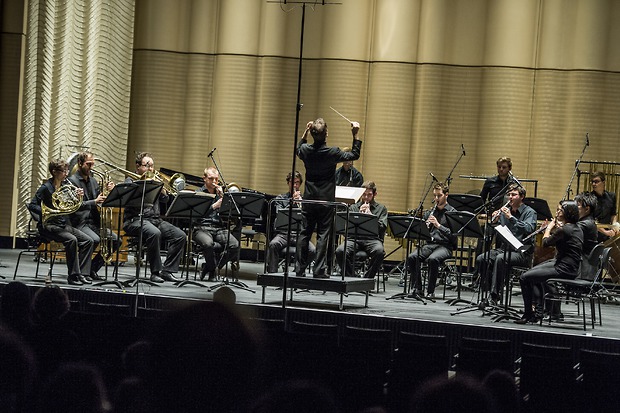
[(509, 237)]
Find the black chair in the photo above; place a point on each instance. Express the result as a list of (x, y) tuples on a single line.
[(598, 380), (417, 358), (547, 378), (478, 357), (41, 247), (312, 352), (586, 287), (363, 362)]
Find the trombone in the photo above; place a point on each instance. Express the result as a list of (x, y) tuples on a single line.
[(172, 184)]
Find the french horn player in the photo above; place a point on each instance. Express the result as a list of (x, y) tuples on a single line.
[(90, 218), (51, 206)]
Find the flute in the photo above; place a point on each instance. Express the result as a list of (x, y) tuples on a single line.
[(497, 213)]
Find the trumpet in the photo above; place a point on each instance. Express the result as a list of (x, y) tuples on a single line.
[(65, 200)]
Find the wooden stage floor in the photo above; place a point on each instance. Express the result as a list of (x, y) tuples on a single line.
[(317, 305)]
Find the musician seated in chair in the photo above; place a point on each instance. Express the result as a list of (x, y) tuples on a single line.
[(278, 242), (567, 237), (88, 218), (439, 249), (373, 246), (587, 203), (520, 219), (155, 229), (52, 203), (210, 230), (347, 175)]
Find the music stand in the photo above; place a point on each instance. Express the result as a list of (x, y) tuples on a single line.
[(365, 225), (540, 206), (466, 202), (118, 197), (281, 224), (190, 204), (512, 244), (147, 192), (409, 228), (241, 205), (465, 224)]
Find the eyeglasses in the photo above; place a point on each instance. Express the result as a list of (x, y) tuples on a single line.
[(595, 181), (147, 165)]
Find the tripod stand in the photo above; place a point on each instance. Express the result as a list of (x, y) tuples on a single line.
[(241, 205), (190, 205), (409, 228)]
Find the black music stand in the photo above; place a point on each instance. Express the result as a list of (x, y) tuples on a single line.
[(409, 227), (118, 197), (146, 192), (465, 224), (365, 225), (190, 204), (242, 205), (511, 243), (281, 223), (540, 206), (466, 202)]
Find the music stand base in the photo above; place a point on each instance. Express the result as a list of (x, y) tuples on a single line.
[(455, 301), (236, 284), (406, 295), (183, 283), (116, 283), (134, 282)]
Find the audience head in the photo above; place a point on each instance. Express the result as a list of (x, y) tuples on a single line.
[(15, 307), (444, 395), (18, 373), (74, 387), (299, 396), (204, 359), (50, 304)]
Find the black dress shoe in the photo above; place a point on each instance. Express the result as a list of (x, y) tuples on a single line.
[(212, 277), (74, 280), (167, 276), (85, 280), (156, 278), (94, 276), (527, 318)]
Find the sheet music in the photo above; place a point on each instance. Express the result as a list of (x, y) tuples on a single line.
[(509, 237), (348, 194)]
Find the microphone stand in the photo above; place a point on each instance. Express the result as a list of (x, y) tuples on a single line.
[(449, 178), (577, 162), (234, 203)]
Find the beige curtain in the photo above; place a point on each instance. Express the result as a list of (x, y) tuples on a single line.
[(77, 79), (520, 78)]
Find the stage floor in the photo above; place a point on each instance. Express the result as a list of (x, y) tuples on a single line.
[(379, 306)]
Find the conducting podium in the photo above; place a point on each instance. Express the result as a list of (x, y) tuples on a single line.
[(409, 228), (355, 224), (190, 205)]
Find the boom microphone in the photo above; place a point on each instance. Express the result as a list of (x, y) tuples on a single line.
[(463, 149), (434, 179), (211, 153)]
